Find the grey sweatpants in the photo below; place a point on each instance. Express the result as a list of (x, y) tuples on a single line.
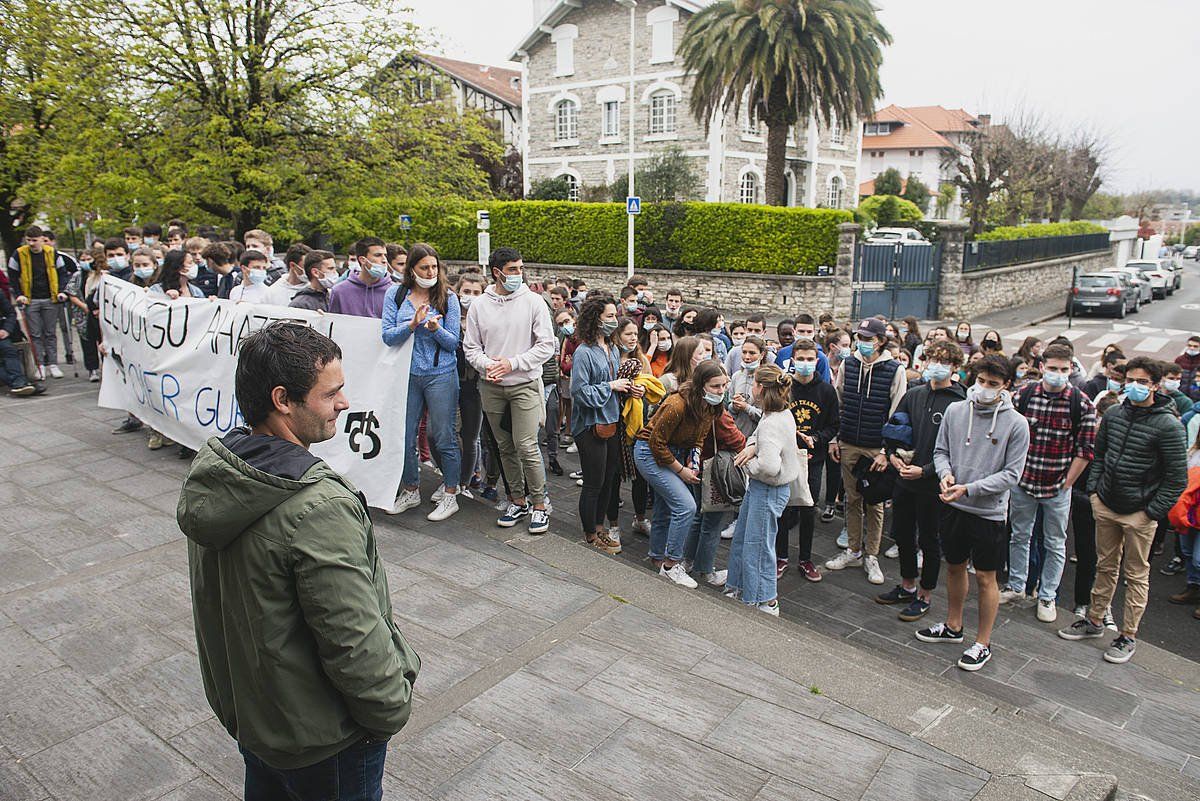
[(42, 317)]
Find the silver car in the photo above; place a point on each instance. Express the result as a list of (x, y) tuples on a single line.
[(1104, 292), (1139, 279)]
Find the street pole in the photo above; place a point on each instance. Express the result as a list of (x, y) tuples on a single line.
[(1071, 305), (632, 103)]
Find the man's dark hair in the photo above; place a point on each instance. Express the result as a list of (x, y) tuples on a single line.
[(1152, 366), (112, 243), (152, 229), (252, 256), (1119, 369), (805, 319), (366, 243), (394, 250), (314, 259), (296, 253), (1194, 338), (676, 291), (803, 345), (947, 353), (636, 280), (995, 366), (1063, 341), (132, 230), (628, 292), (175, 231), (49, 234), (219, 252), (1112, 357), (562, 292), (283, 354), (503, 256), (1171, 368), (756, 318), (178, 223), (36, 232), (1057, 352)]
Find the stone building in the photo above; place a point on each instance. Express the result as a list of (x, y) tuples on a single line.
[(496, 91), (576, 99)]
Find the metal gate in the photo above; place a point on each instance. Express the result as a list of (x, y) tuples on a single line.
[(896, 280)]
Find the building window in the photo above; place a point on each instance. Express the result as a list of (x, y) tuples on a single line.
[(566, 121), (572, 187), (612, 119), (564, 37), (750, 121), (662, 33), (833, 198), (662, 112), (877, 129), (748, 188), (836, 135)]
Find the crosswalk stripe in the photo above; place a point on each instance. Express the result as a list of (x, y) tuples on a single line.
[(1107, 339), (1151, 345)]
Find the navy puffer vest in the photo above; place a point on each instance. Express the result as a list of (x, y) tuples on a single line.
[(865, 411)]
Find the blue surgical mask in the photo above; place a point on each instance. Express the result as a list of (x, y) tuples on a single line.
[(713, 400), (258, 276), (377, 271), (805, 368), (750, 367), (624, 348), (631, 306), (151, 240), (1136, 392), (866, 349), (902, 330), (513, 282), (568, 329), (936, 372), (143, 272), (648, 325), (117, 263), (1170, 384), (85, 265), (844, 353), (1114, 386), (1055, 380)]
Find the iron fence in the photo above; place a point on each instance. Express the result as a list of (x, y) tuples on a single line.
[(1001, 253)]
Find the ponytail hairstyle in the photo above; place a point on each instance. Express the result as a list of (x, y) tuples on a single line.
[(776, 388)]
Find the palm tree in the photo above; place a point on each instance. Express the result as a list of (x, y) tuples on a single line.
[(788, 59)]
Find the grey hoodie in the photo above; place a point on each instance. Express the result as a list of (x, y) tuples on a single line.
[(983, 447)]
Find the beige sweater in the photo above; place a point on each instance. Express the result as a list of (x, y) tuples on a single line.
[(777, 459)]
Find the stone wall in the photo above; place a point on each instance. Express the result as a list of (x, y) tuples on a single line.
[(1021, 284)]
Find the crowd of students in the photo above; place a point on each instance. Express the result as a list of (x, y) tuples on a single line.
[(984, 456)]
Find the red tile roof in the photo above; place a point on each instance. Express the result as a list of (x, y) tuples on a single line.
[(921, 127), (494, 81), (867, 188)]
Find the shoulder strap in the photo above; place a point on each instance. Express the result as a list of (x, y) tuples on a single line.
[(401, 294), (1023, 394), (1076, 410)]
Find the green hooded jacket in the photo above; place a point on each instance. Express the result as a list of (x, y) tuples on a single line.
[(1141, 459), (298, 651)]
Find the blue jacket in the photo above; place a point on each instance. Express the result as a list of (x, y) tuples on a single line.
[(785, 354), (593, 399), (433, 352)]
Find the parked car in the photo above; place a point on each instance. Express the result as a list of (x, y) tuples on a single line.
[(904, 236), (1161, 272), (1191, 252), (1106, 292), (1139, 279)]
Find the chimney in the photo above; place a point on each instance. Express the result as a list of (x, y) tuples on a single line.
[(984, 120)]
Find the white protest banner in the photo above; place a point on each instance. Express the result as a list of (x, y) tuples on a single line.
[(171, 363)]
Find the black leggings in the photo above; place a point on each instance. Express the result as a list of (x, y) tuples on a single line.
[(1083, 527), (805, 516), (89, 340), (470, 414), (833, 482), (915, 522), (600, 460), (640, 491)]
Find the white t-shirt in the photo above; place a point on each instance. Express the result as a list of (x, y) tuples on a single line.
[(252, 293), (281, 292)]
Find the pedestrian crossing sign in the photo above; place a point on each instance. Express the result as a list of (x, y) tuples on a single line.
[(633, 205)]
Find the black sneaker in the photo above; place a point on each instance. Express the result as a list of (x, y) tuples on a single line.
[(914, 611), (940, 632), (827, 513), (513, 514), (130, 425), (896, 595), (1082, 629), (975, 657), (539, 521), (1174, 567), (554, 466), (840, 509)]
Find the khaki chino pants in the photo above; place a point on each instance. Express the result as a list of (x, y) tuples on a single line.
[(1116, 535), (517, 436), (857, 512)]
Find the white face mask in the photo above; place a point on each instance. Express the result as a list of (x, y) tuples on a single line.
[(426, 283), (982, 394), (188, 273), (327, 281)]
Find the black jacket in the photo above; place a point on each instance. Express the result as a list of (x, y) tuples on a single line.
[(925, 407), (8, 317), (311, 299), (1095, 385), (1141, 459), (815, 407)]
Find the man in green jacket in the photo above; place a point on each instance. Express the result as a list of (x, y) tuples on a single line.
[(1139, 472), (301, 660)]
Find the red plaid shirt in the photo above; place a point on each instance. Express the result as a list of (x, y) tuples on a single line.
[(1051, 444)]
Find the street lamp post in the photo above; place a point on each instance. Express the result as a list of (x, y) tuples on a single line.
[(632, 6)]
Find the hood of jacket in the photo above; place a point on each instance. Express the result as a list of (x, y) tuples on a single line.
[(237, 479), (986, 417), (495, 297), (382, 285)]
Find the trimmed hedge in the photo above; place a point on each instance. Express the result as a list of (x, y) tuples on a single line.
[(697, 236), (1037, 230)]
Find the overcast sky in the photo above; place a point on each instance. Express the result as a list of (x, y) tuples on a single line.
[(1116, 66)]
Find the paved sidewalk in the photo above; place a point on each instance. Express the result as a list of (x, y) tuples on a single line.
[(550, 671)]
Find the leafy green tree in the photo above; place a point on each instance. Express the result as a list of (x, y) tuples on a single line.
[(917, 193), (788, 59), (889, 182), (945, 198), (555, 188), (887, 210), (666, 176)]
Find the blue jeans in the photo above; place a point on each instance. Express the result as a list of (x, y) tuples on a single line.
[(752, 552), (1191, 555), (703, 537), (1022, 512), (355, 774), (674, 504), (439, 395), (12, 371)]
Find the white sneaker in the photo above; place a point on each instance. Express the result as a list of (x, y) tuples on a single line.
[(641, 527), (438, 494), (715, 578), (447, 506), (1080, 611), (1110, 623), (843, 539), (920, 560), (1047, 612), (874, 574), (572, 448), (679, 576), (1008, 596), (770, 607), (734, 594), (688, 564), (845, 559), (408, 499), (466, 493), (94, 376), (54, 371), (727, 534), (893, 552), (614, 532), (40, 373)]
